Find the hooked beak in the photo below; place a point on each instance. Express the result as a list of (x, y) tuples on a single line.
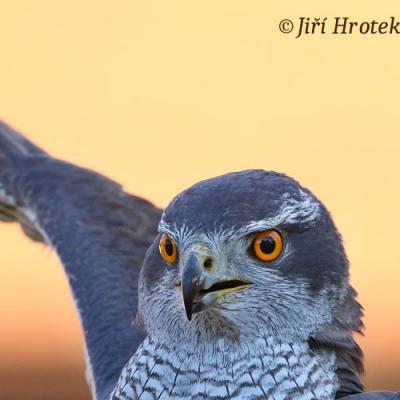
[(200, 289)]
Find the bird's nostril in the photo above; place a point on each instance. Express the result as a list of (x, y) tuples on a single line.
[(207, 263)]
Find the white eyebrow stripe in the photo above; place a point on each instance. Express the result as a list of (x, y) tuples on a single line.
[(179, 234), (303, 210)]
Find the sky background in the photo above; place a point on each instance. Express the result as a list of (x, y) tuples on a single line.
[(160, 94)]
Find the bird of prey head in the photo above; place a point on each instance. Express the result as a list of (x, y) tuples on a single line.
[(242, 255)]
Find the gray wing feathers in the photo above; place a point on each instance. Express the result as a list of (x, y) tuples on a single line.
[(100, 234), (338, 336), (374, 396), (12, 146)]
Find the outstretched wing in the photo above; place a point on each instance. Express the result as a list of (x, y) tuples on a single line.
[(100, 233)]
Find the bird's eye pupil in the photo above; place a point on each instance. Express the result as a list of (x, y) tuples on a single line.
[(169, 247), (267, 245)]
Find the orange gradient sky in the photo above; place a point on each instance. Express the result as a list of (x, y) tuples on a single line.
[(159, 95)]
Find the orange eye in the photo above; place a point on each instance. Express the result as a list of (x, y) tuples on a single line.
[(168, 249), (268, 245)]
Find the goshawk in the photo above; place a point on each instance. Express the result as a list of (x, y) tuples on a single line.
[(239, 289)]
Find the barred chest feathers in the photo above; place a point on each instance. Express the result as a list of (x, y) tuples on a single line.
[(275, 371)]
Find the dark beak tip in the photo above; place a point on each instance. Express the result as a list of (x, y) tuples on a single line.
[(191, 283), (188, 309)]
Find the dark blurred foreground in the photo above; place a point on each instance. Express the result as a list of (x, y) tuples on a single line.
[(52, 383)]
